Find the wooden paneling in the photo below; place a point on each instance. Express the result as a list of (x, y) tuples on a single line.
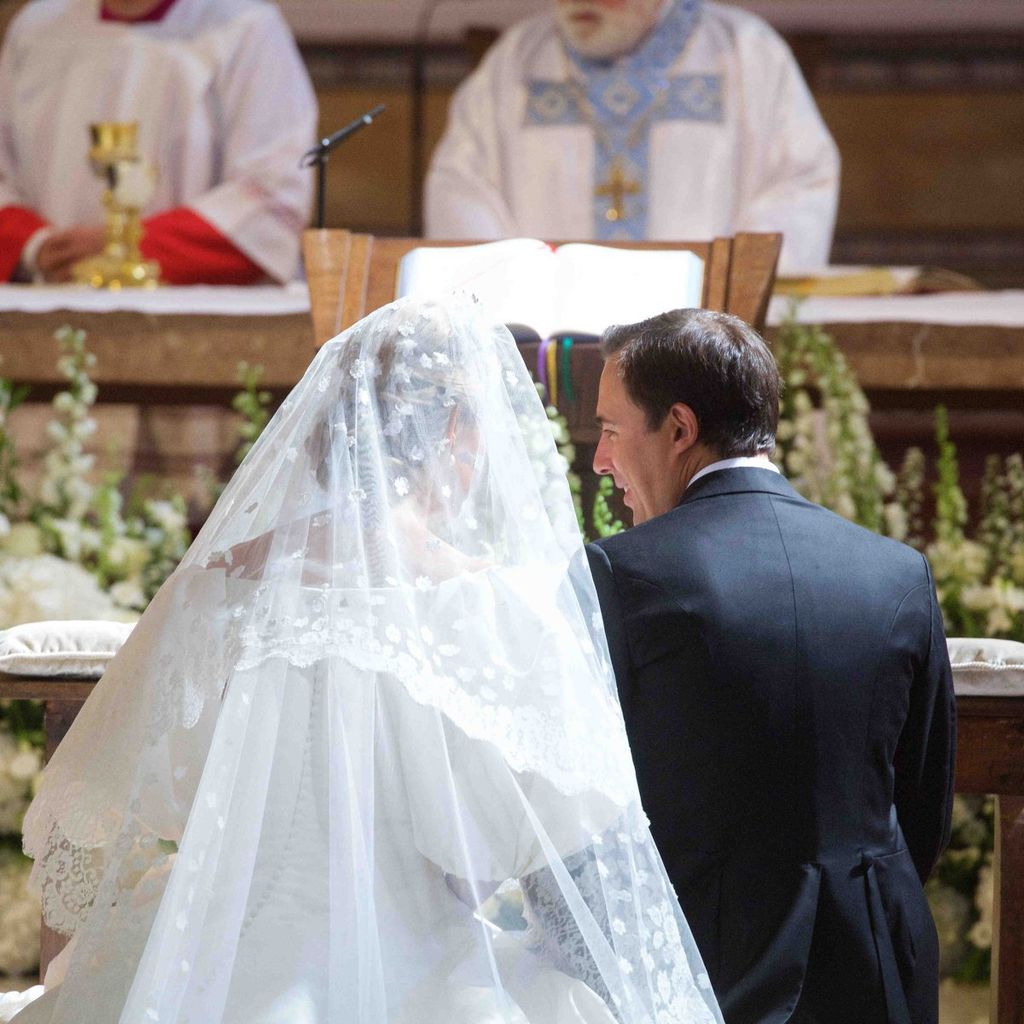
[(369, 177), (929, 160)]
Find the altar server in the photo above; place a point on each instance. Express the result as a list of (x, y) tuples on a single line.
[(225, 108)]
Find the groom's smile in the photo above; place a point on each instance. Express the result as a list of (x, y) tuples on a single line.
[(646, 464)]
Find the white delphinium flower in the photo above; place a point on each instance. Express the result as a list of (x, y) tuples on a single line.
[(19, 916), (957, 564), (844, 505), (166, 515), (897, 524), (1001, 602)]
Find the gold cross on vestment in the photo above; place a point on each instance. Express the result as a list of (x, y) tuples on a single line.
[(616, 188)]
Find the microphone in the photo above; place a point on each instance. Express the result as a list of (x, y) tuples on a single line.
[(324, 147), (317, 156)]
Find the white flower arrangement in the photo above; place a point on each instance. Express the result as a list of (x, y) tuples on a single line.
[(74, 550), (128, 554), (69, 551), (43, 586)]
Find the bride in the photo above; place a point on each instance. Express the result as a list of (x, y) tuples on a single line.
[(373, 703)]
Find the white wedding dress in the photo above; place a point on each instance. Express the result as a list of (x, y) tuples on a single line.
[(376, 690)]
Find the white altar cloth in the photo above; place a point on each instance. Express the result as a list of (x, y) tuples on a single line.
[(196, 300), (990, 309), (965, 309)]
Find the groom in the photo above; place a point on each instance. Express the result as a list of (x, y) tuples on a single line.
[(786, 690)]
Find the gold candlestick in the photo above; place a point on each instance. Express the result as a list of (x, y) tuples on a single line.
[(129, 184)]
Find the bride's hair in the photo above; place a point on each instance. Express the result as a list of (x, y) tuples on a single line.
[(420, 395)]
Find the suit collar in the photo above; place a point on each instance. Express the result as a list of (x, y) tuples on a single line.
[(742, 480)]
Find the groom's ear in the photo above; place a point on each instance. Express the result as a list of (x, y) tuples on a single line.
[(684, 427)]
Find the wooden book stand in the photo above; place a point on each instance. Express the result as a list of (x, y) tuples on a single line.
[(352, 274)]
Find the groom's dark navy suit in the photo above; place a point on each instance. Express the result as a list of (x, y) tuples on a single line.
[(789, 702)]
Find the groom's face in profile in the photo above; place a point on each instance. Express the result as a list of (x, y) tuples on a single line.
[(644, 463)]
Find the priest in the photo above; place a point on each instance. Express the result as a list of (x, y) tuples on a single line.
[(637, 119), (225, 109)]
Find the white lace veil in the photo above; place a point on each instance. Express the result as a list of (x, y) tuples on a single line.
[(375, 692)]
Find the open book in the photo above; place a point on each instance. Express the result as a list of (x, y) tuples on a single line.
[(575, 289)]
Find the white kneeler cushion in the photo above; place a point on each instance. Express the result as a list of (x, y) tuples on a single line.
[(987, 668), (75, 648)]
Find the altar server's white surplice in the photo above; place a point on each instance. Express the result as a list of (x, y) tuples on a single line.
[(224, 103), (729, 140)]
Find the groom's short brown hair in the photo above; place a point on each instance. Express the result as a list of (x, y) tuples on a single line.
[(713, 362)]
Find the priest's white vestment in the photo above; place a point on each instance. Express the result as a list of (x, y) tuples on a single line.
[(729, 139), (224, 103)]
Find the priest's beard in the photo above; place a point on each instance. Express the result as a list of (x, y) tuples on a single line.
[(603, 29)]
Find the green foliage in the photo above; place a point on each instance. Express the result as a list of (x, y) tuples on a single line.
[(950, 505), (605, 522), (825, 445), (130, 553), (11, 396), (979, 572), (253, 404)]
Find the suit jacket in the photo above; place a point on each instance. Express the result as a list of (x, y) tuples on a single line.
[(789, 702)]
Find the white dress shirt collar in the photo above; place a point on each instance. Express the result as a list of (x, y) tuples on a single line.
[(742, 462)]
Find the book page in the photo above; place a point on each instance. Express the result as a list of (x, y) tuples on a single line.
[(598, 286), (513, 279)]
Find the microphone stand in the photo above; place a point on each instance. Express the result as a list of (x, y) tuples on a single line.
[(317, 156)]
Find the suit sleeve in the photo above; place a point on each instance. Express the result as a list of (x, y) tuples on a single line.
[(611, 614), (926, 751)]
